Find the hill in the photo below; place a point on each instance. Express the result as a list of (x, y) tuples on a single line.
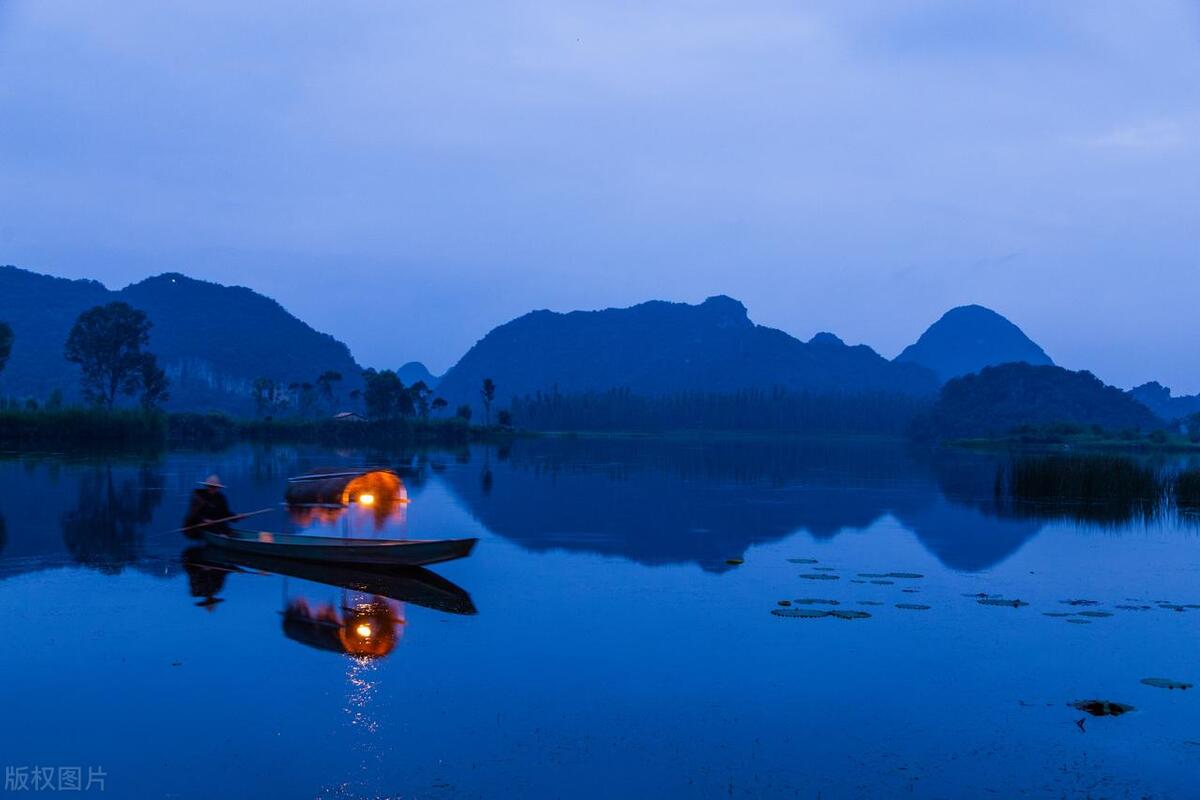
[(968, 338), (415, 371), (998, 399), (659, 348), (1158, 399), (213, 341)]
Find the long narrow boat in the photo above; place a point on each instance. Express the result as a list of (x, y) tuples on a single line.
[(332, 550)]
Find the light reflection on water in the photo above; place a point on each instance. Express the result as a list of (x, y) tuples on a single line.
[(599, 643)]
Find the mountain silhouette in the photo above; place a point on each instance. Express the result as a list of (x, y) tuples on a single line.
[(660, 348), (415, 371), (1158, 398), (999, 399), (968, 338), (212, 340)]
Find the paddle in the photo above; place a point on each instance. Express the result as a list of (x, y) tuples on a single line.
[(224, 519)]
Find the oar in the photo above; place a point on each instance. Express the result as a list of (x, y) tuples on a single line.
[(224, 519)]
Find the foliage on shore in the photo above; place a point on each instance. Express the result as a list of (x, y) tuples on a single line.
[(129, 428)]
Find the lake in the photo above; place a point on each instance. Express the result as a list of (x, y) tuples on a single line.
[(612, 635)]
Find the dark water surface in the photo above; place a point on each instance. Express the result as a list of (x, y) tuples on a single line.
[(614, 652)]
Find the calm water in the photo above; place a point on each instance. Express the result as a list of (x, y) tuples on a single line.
[(614, 652)]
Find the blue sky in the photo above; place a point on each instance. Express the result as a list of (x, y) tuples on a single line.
[(408, 175)]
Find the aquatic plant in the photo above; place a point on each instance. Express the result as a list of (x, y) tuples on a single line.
[(1165, 683), (821, 576), (847, 614), (1000, 601), (1102, 708), (913, 606), (1086, 488), (1186, 488), (801, 613)]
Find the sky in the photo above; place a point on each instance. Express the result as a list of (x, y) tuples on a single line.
[(408, 175)]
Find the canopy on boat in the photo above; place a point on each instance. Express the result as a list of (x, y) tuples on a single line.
[(341, 487)]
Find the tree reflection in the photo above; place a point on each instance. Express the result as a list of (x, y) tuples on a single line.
[(105, 529)]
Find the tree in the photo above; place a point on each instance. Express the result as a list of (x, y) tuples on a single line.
[(487, 393), (6, 340), (306, 399), (106, 342), (326, 384), (154, 383), (419, 393), (504, 418), (385, 395), (266, 395), (438, 404), (463, 412)]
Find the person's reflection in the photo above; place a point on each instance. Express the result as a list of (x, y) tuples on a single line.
[(204, 581)]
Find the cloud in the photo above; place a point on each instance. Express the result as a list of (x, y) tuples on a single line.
[(1157, 135)]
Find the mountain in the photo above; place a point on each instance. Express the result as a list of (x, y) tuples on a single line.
[(1158, 399), (968, 338), (212, 340), (998, 399), (661, 348), (415, 371)]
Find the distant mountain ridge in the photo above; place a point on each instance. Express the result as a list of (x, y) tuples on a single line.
[(415, 371), (968, 338), (213, 341), (1158, 398), (658, 348)]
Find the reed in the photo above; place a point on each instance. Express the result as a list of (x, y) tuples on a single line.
[(1187, 488), (1085, 487)]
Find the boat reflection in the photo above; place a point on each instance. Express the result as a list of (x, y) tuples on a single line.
[(367, 621), (368, 628)]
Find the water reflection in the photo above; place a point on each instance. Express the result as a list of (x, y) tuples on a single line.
[(104, 530)]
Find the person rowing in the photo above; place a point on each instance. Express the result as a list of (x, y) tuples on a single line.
[(209, 509)]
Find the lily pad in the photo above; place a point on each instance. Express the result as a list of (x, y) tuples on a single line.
[(1102, 708), (911, 591), (1095, 613), (1000, 601), (1133, 608), (1165, 683), (883, 583), (785, 602), (816, 601), (820, 576), (803, 560), (846, 614), (825, 569), (913, 606), (735, 561), (912, 575), (803, 613), (1078, 621), (1172, 607), (1056, 613), (980, 595), (1080, 602), (856, 580), (870, 602)]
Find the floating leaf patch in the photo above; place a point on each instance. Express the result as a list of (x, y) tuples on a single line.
[(1056, 613), (912, 575), (803, 613), (913, 606), (1080, 602), (1095, 613), (803, 560), (1102, 708), (1165, 683), (1000, 601), (846, 614), (820, 576), (870, 602), (883, 583), (816, 601), (1078, 621)]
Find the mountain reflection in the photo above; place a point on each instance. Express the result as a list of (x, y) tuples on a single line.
[(658, 502)]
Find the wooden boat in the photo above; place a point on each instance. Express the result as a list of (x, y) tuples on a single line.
[(334, 550)]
